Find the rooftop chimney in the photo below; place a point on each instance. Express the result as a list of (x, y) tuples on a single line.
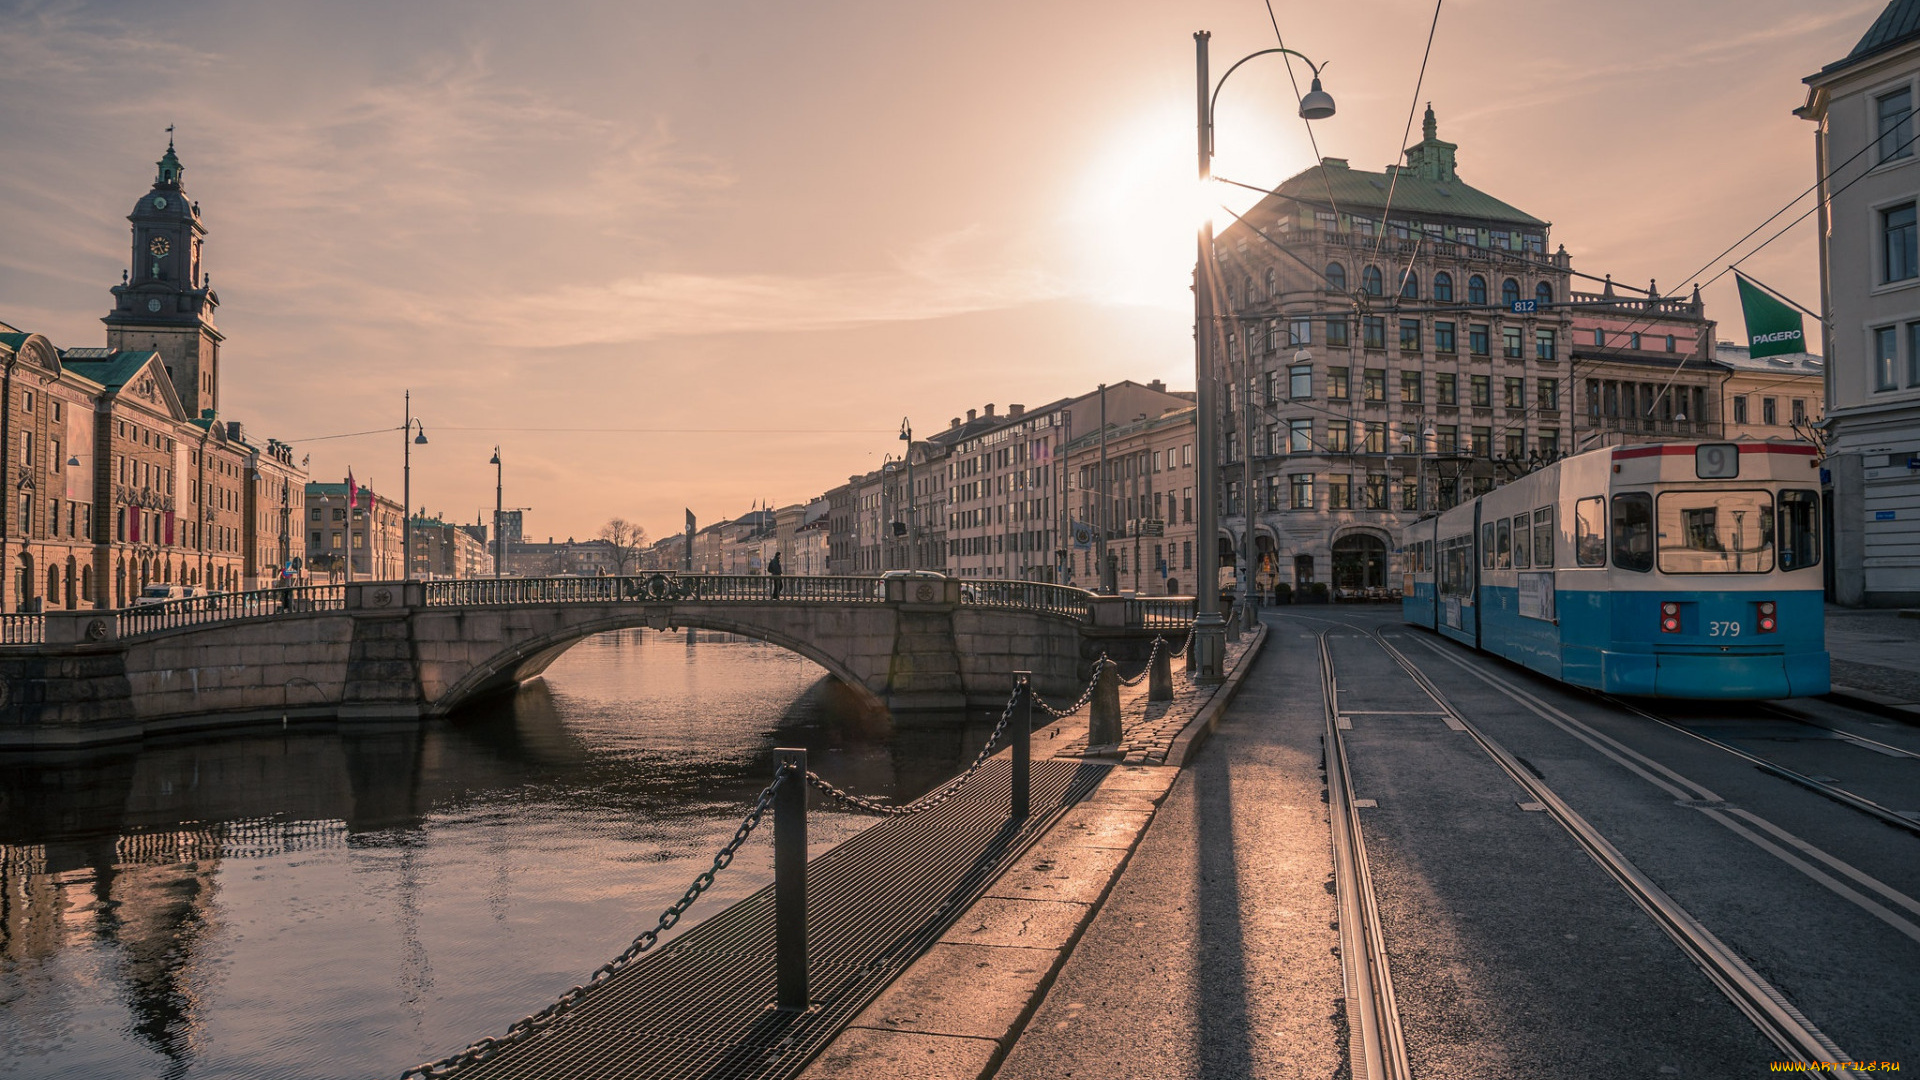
[(1157, 386), (956, 422), (1016, 410), (970, 415), (988, 408)]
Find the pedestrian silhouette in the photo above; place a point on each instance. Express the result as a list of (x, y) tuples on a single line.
[(774, 571)]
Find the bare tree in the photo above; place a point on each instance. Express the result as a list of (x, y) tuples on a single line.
[(626, 538)]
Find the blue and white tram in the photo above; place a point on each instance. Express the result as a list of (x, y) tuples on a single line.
[(1685, 570)]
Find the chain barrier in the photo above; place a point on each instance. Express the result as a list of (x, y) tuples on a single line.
[(1085, 695), (529, 1026), (933, 798), (1158, 644)]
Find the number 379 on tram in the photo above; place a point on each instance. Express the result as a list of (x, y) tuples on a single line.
[(1683, 570)]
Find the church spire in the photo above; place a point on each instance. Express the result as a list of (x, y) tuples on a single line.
[(1431, 158), (1429, 127), (168, 168)]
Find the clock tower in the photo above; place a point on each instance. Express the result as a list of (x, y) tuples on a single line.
[(164, 302)]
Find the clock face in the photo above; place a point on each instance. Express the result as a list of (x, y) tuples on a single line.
[(159, 202), (153, 305), (159, 246)]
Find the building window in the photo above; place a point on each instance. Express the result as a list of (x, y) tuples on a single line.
[(1336, 278), (1337, 387), (1799, 410), (1301, 332), (1896, 125), (1409, 335), (1482, 442), (1481, 387), (1515, 393), (1409, 496), (1543, 294), (1270, 284), (1447, 439), (1599, 338), (1300, 381), (1476, 290), (1769, 411), (1410, 386), (1516, 445), (1410, 286), (1337, 332), (1274, 491), (1548, 391), (1899, 252), (1543, 345), (1443, 338), (1299, 436), (1884, 356), (1446, 388), (1376, 491), (1339, 436), (1509, 293), (1339, 493), (1376, 435), (1302, 491), (1443, 287), (1671, 343), (1549, 443), (1740, 409), (1479, 340), (1371, 282), (1373, 331), (1373, 386)]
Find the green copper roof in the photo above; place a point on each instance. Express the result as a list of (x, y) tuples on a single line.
[(110, 369), (1899, 22), (1413, 195)]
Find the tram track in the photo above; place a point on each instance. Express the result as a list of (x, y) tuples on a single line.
[(1771, 1013)]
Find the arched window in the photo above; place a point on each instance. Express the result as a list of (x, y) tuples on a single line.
[(1443, 287), (1476, 290), (1371, 283), (1270, 283), (1410, 286), (1336, 278), (1543, 292), (1509, 292)]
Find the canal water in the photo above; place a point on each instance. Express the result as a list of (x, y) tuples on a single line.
[(320, 902)]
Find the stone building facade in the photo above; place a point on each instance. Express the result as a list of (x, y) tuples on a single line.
[(1140, 510)]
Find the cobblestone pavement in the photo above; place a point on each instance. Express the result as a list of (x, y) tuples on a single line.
[(1876, 651), (1148, 728)]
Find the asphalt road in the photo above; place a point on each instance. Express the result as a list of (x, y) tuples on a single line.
[(1511, 951)]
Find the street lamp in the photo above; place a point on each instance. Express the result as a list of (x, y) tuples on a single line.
[(1209, 632), (406, 485), (499, 543), (913, 548)]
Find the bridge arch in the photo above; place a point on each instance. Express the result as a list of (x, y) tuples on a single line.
[(523, 660)]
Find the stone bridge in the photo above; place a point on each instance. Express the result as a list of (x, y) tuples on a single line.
[(403, 650)]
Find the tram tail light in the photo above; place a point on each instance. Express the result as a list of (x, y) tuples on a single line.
[(1768, 622), (1669, 617)]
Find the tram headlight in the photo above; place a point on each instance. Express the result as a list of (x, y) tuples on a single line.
[(1768, 622), (1669, 617)]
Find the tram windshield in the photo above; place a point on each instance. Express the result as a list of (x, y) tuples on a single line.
[(1799, 529), (1715, 532)]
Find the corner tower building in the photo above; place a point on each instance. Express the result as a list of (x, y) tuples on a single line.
[(165, 303)]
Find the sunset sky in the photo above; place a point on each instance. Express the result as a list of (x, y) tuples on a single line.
[(701, 254)]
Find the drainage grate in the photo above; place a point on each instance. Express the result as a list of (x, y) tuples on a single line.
[(697, 1009)]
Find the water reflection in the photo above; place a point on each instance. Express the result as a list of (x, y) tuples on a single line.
[(348, 902)]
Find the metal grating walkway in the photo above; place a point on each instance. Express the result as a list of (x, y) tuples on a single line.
[(698, 1009)]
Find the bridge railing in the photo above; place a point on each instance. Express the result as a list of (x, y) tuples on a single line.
[(223, 607), (663, 587), (23, 629), (1029, 596), (1160, 612)]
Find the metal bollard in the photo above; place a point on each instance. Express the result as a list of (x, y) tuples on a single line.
[(1160, 674), (1103, 728), (1023, 745), (790, 881)]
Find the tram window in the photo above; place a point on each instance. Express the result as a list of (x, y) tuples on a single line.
[(1543, 537), (1590, 532), (1633, 531), (1520, 544), (1486, 546), (1799, 529), (1503, 545), (1716, 532)]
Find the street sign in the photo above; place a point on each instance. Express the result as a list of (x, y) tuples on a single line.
[(1153, 527), (1525, 307), (1883, 515)]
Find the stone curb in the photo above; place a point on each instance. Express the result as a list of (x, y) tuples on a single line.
[(955, 1012), (1873, 702)]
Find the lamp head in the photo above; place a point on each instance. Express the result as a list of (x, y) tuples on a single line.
[(1317, 104), (74, 460), (495, 459), (421, 438)]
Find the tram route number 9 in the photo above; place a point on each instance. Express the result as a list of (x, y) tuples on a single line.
[(1716, 461), (1723, 629)]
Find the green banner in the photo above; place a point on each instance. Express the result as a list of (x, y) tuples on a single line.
[(1773, 328)]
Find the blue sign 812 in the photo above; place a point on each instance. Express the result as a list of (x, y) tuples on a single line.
[(1525, 307)]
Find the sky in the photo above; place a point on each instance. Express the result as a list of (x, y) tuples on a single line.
[(701, 255)]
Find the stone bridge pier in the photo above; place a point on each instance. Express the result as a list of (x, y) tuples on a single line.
[(396, 651)]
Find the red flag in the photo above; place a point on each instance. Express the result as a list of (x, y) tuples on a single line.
[(353, 489)]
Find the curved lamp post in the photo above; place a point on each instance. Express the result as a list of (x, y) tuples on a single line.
[(499, 543), (1209, 631), (408, 437)]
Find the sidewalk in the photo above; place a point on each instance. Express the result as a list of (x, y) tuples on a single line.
[(1876, 658)]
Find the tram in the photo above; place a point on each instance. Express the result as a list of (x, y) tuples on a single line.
[(1680, 570)]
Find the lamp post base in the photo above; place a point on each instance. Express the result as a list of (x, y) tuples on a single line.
[(1208, 662)]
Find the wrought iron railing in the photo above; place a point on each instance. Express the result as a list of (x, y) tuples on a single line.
[(224, 607), (662, 587), (23, 629), (1160, 612), (1029, 595)]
